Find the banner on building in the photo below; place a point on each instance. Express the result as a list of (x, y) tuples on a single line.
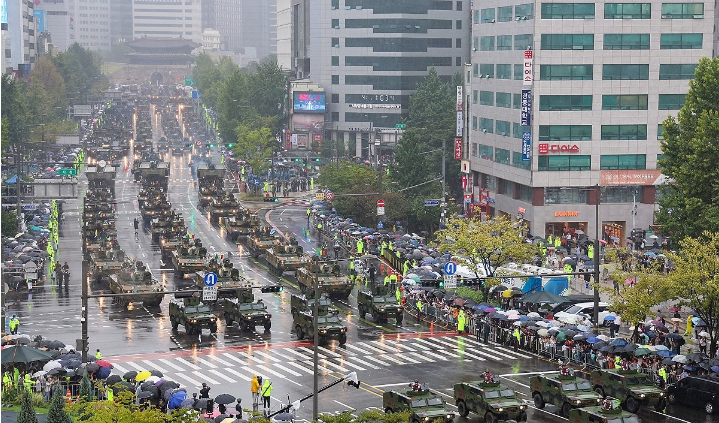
[(528, 65), (526, 146), (460, 124), (458, 148), (526, 109)]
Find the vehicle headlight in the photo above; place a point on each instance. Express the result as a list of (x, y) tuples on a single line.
[(323, 331), (450, 416), (522, 407), (500, 409), (642, 396), (213, 319), (599, 400), (381, 310), (267, 316), (193, 321), (580, 401), (344, 329), (661, 394), (426, 419)]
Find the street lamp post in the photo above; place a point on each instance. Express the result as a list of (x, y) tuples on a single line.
[(597, 257)]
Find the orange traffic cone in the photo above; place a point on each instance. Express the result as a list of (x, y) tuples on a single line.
[(431, 326)]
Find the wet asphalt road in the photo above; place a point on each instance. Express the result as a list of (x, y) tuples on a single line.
[(384, 356)]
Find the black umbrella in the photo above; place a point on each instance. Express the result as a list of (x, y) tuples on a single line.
[(156, 373), (55, 345), (201, 404), (122, 386), (146, 385), (129, 375), (667, 362), (112, 380), (56, 371), (607, 349), (672, 336), (23, 354), (542, 297), (695, 357), (153, 389), (224, 399), (145, 394), (92, 367), (169, 385)]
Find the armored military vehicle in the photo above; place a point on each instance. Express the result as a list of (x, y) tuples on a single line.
[(223, 205), (491, 401), (328, 327), (229, 280), (154, 174), (210, 181), (601, 415), (423, 405), (165, 225), (187, 310), (565, 392), (285, 256), (380, 302), (327, 275), (300, 303), (189, 257), (105, 261), (244, 310), (101, 177), (155, 207), (237, 226), (260, 240), (135, 278), (171, 242), (632, 388)]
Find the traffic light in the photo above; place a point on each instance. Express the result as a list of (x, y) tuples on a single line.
[(212, 145), (304, 162), (441, 283), (297, 159), (230, 145), (317, 159), (272, 288)]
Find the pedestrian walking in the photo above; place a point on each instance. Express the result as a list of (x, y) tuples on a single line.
[(255, 389), (337, 249), (98, 356), (266, 394), (136, 223)]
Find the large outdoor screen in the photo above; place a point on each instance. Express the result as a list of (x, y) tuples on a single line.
[(309, 102)]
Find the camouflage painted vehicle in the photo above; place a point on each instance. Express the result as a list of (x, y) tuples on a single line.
[(300, 303), (378, 301), (165, 224), (632, 388), (229, 280), (187, 310), (285, 256), (601, 415), (224, 205), (135, 278), (101, 177), (155, 207), (237, 226), (327, 275), (210, 180), (423, 405), (565, 392), (171, 242), (106, 261), (328, 327), (490, 401), (244, 310), (189, 257), (260, 241), (154, 174)]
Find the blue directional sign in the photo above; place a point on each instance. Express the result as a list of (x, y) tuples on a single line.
[(450, 268), (431, 203), (210, 279), (256, 181), (380, 225)]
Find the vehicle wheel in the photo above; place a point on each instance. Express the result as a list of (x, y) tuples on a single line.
[(300, 334), (462, 408), (228, 320), (490, 418), (190, 329), (661, 405), (566, 408), (523, 416), (400, 317), (362, 312), (388, 410), (632, 405), (343, 339), (213, 328), (538, 401), (671, 398), (268, 325), (244, 326), (174, 324), (599, 390), (709, 408)]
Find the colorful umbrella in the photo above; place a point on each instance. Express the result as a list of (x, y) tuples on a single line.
[(142, 375)]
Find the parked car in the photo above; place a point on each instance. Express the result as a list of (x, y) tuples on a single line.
[(696, 391), (585, 309)]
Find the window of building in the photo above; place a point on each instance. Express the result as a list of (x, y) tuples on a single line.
[(624, 132), (458, 6), (474, 96), (475, 149), (504, 71), (517, 101), (523, 41), (458, 24), (486, 43), (335, 42), (677, 71), (335, 4), (671, 101), (504, 100), (555, 163), (566, 72), (486, 98), (626, 41), (518, 162), (681, 41), (501, 156), (486, 152), (475, 69), (335, 79), (335, 60), (565, 102), (660, 132), (336, 23), (458, 42), (567, 41), (634, 72), (524, 11), (627, 11), (504, 42), (567, 10), (475, 16), (565, 195), (488, 15), (504, 14), (565, 132), (486, 70), (503, 128), (335, 116), (335, 98), (682, 10), (625, 102), (623, 162), (620, 194), (518, 72), (518, 130), (486, 125), (474, 123)]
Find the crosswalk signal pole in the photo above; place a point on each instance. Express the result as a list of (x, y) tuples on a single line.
[(315, 358), (83, 317)]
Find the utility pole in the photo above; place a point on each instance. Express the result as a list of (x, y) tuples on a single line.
[(597, 258), (443, 204), (83, 316), (315, 355)]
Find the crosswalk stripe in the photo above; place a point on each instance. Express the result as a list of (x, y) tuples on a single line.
[(326, 362), (311, 352), (328, 352), (344, 362), (386, 346), (290, 371), (468, 354), (358, 349), (263, 354), (301, 367), (270, 371), (376, 360), (238, 374), (283, 358), (188, 363), (205, 362), (153, 366), (405, 356), (232, 357), (441, 357), (219, 360), (390, 357), (295, 352), (249, 357), (435, 346), (493, 350), (364, 362), (135, 366), (419, 345), (419, 356), (170, 364), (221, 376), (404, 346), (203, 375), (192, 381), (120, 368), (369, 349)]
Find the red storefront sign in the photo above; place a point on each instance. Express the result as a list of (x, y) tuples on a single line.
[(458, 148), (546, 148), (464, 181)]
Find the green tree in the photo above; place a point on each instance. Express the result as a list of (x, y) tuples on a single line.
[(484, 247), (9, 223), (255, 146), (27, 411), (85, 388), (52, 86), (112, 412), (57, 413), (14, 112), (81, 71), (690, 204)]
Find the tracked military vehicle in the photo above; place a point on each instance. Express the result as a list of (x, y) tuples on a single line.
[(327, 275), (380, 302), (224, 205), (247, 312), (564, 391), (106, 261), (135, 278), (490, 400), (260, 240), (155, 207), (189, 257), (101, 177), (154, 174), (285, 256), (210, 182), (423, 405), (300, 303), (238, 226), (165, 225), (229, 280), (187, 310)]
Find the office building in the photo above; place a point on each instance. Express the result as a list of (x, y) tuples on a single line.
[(567, 96), (369, 56), (167, 19), (91, 23), (247, 27), (121, 22), (19, 36)]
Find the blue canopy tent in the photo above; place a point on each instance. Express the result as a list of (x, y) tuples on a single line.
[(533, 284), (11, 180), (556, 285)]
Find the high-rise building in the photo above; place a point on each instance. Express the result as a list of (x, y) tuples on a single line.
[(91, 23), (19, 36), (167, 19), (369, 56), (246, 26), (567, 97), (121, 22), (55, 20), (284, 34)]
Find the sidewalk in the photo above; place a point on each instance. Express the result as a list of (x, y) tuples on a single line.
[(11, 417)]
